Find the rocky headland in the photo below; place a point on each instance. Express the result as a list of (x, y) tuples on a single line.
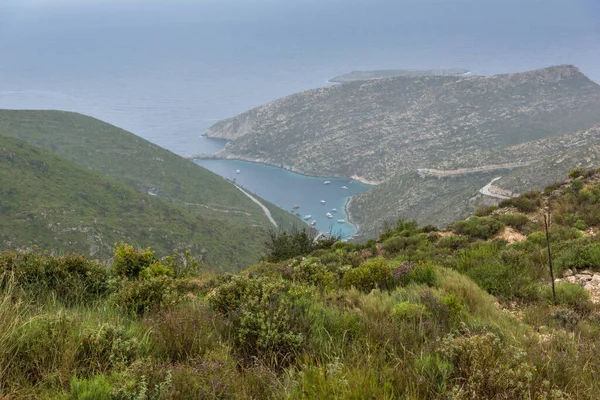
[(405, 132)]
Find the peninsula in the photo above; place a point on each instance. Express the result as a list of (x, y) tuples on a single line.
[(394, 73)]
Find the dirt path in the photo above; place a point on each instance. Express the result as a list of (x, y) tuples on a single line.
[(265, 209)]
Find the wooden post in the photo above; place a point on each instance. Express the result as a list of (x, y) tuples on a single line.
[(547, 224)]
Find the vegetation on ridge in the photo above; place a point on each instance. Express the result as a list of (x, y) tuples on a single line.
[(406, 316), (121, 187)]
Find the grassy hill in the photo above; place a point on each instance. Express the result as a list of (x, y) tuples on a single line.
[(464, 313), (152, 197), (131, 160), (53, 203)]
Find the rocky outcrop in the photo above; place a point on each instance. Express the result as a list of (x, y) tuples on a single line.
[(586, 278)]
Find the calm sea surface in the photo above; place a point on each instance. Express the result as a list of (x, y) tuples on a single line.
[(295, 190), (167, 70)]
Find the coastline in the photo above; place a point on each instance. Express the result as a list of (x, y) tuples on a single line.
[(216, 156), (349, 215)]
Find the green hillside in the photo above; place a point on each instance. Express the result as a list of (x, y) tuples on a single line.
[(464, 313), (131, 160), (52, 203)]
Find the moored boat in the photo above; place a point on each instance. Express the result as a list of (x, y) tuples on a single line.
[(341, 221), (323, 202), (326, 182), (307, 217), (329, 215)]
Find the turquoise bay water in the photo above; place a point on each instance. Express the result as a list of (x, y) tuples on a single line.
[(286, 189)]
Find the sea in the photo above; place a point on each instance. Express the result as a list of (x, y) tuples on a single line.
[(166, 70)]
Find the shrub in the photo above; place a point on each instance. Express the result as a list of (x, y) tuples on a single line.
[(484, 211), (311, 271), (527, 202), (507, 278), (71, 278), (184, 334), (129, 262), (478, 227), (580, 224), (407, 311), (486, 368), (370, 275), (455, 306), (148, 295), (398, 244), (577, 172), (568, 294), (96, 388), (579, 254), (266, 318), (283, 245), (453, 242), (517, 221), (417, 273), (104, 348)]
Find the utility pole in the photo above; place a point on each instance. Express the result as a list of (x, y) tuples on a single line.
[(547, 221)]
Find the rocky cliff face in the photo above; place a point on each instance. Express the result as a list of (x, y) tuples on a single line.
[(385, 128)]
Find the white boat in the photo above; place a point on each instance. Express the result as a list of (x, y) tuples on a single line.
[(344, 187), (326, 182), (329, 215), (237, 171), (323, 202), (341, 221), (334, 210), (307, 217), (313, 222)]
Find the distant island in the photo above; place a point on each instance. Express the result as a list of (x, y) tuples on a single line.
[(394, 73)]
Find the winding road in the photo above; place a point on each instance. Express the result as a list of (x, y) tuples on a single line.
[(486, 190), (265, 209)]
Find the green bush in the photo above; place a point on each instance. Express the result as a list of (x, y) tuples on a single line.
[(96, 388), (517, 221), (505, 277), (407, 311), (486, 368), (300, 242), (370, 275), (148, 295), (484, 211), (577, 172), (103, 348), (266, 317), (417, 273), (129, 262), (579, 254), (568, 294), (478, 227), (527, 202), (453, 242), (71, 278)]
